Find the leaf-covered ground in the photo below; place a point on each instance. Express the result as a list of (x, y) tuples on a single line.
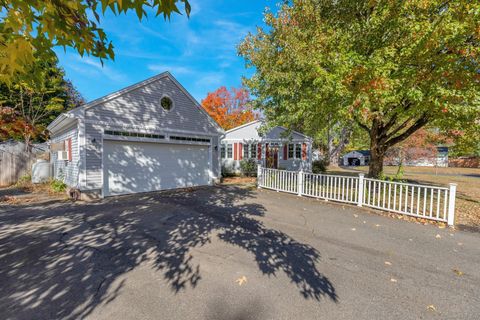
[(468, 187)]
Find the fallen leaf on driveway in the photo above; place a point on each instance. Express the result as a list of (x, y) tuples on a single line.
[(353, 229), (431, 308), (355, 215), (393, 280), (377, 225), (442, 226), (388, 263), (241, 280), (460, 244), (458, 272), (438, 236), (410, 239), (364, 221)]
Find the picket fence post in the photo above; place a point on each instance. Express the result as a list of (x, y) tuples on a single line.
[(360, 189), (259, 175), (300, 182), (451, 204)]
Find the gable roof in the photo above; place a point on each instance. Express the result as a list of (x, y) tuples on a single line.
[(79, 111), (243, 125), (260, 122)]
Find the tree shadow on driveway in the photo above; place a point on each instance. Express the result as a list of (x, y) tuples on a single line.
[(61, 260)]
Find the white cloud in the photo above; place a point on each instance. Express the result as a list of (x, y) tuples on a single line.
[(92, 66)]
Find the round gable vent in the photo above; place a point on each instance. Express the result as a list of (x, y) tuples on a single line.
[(166, 103)]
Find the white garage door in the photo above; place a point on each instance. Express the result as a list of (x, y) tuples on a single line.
[(131, 167)]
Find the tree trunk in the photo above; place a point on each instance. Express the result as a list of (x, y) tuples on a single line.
[(377, 155), (335, 150)]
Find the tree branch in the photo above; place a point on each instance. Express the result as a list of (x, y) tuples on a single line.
[(417, 125)]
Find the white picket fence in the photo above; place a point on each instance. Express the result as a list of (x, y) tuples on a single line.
[(422, 201)]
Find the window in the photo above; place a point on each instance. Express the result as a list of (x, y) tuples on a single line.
[(229, 151), (253, 151), (180, 138), (298, 151), (166, 103), (222, 152), (245, 151), (134, 134), (291, 147)]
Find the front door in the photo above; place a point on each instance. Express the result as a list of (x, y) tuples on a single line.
[(272, 155)]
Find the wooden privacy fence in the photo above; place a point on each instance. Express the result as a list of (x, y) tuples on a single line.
[(421, 201), (13, 166)]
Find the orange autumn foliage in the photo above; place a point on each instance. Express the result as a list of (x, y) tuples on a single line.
[(229, 109)]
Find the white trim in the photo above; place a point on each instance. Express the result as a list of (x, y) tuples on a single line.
[(82, 154), (264, 140), (151, 140)]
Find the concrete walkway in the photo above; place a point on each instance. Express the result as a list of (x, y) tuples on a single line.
[(230, 253)]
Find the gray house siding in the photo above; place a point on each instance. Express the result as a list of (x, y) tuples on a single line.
[(140, 110), (67, 171)]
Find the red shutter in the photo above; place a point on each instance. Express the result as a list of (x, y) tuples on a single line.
[(304, 151), (266, 150), (259, 152), (240, 151), (235, 151), (69, 141), (285, 151)]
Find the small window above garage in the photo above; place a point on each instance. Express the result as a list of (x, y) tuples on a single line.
[(134, 134), (194, 139)]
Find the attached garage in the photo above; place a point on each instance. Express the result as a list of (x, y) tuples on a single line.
[(150, 136), (131, 167)]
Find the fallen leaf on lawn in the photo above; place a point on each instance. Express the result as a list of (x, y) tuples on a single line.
[(388, 263), (393, 280), (364, 221), (410, 239), (438, 236), (355, 215), (458, 272), (241, 280), (460, 244), (377, 225), (353, 229), (431, 308)]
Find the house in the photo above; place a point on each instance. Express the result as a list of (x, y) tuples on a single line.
[(150, 136), (420, 158), (356, 158), (276, 148)]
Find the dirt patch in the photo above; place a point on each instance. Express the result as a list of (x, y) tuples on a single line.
[(239, 180), (32, 193)]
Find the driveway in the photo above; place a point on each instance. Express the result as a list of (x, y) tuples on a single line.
[(230, 252)]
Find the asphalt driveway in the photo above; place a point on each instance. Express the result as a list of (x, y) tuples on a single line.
[(230, 253)]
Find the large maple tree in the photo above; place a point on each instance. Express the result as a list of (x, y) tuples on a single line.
[(229, 108), (388, 67)]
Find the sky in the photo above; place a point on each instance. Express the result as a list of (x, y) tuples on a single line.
[(199, 51)]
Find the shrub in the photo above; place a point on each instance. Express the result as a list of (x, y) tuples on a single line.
[(57, 186), (319, 166), (248, 167), (24, 181), (226, 172)]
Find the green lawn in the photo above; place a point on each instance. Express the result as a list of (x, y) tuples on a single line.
[(467, 179)]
